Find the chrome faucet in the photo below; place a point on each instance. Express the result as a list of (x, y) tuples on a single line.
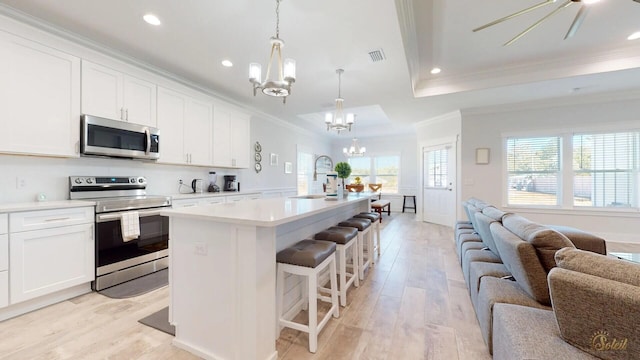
[(315, 166)]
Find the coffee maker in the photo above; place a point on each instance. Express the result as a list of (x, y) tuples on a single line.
[(213, 179), (230, 183)]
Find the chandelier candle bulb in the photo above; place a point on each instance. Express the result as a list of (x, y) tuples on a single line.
[(255, 72)]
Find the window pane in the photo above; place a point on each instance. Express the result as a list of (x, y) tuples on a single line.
[(305, 173), (437, 168), (533, 167), (361, 167), (605, 168), (387, 169)]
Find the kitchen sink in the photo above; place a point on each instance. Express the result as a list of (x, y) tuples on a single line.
[(313, 196)]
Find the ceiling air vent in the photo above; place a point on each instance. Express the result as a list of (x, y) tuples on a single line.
[(376, 55)]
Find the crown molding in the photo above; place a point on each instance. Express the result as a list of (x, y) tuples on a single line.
[(454, 115)]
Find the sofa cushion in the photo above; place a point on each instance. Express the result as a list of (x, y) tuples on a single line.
[(521, 332), (494, 213), (598, 315), (522, 261), (484, 222), (545, 240), (477, 255), (583, 240), (479, 270), (494, 291), (599, 265)]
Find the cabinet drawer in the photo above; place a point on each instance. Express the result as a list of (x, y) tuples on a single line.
[(45, 219), (4, 288), (4, 252), (212, 200), (4, 224)]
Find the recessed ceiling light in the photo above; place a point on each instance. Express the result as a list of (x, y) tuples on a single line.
[(634, 36), (152, 19), (436, 70), (227, 63)]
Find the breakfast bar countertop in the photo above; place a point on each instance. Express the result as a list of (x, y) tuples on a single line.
[(263, 212)]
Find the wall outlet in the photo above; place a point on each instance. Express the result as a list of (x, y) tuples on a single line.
[(21, 183), (180, 181), (201, 249)]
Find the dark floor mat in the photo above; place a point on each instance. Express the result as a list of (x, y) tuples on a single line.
[(160, 320)]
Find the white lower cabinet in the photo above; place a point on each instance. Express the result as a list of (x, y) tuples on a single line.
[(49, 251), (182, 203), (45, 261), (4, 261), (4, 288)]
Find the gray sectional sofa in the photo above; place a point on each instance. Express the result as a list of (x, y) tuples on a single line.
[(523, 278)]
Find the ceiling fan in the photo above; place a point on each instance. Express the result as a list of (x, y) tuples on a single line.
[(575, 25)]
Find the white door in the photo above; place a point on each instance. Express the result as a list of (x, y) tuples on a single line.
[(438, 184)]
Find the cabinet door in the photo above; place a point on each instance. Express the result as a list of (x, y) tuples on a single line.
[(39, 98), (221, 137), (139, 101), (240, 147), (212, 200), (176, 204), (197, 132), (4, 288), (4, 252), (45, 261), (102, 91), (171, 116)]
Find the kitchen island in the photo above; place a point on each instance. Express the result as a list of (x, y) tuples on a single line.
[(222, 269)]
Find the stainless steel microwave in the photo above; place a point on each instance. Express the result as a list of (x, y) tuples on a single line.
[(113, 138)]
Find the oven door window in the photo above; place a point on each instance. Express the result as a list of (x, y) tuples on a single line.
[(154, 236)]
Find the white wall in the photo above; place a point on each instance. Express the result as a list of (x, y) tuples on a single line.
[(486, 129), (51, 175)]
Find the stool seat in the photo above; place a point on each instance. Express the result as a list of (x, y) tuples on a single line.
[(307, 253), (360, 224), (337, 234), (373, 217)]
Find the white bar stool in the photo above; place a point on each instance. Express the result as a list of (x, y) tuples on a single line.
[(364, 234), (308, 258), (346, 238), (374, 217)]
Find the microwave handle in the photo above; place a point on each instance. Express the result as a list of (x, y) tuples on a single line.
[(147, 133)]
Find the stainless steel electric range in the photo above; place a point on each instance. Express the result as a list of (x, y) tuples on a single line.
[(118, 198)]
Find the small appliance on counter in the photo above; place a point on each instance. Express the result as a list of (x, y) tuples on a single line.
[(197, 185), (230, 183), (213, 179)]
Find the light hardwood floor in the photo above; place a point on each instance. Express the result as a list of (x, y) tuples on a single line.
[(413, 304)]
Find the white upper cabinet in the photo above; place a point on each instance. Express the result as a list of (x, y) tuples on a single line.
[(39, 98), (115, 95), (231, 146), (185, 128)]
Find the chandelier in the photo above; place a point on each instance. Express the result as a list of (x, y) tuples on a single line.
[(280, 87), (338, 120), (355, 150)]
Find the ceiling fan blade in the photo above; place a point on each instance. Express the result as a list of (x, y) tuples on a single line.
[(564, 5), (546, 2), (577, 21)]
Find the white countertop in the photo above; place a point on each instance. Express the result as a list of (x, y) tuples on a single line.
[(44, 205), (262, 212), (211, 194)]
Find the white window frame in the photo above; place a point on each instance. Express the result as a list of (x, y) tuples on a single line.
[(372, 168), (565, 191)]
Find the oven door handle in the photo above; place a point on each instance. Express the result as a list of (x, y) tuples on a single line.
[(117, 216)]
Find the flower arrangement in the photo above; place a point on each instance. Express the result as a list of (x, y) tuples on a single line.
[(357, 180)]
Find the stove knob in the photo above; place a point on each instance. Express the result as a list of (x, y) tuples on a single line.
[(78, 181), (141, 180), (89, 181), (132, 180)]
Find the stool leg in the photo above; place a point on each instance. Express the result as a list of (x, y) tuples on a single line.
[(378, 235), (356, 265), (334, 288), (305, 293), (343, 275), (280, 296), (313, 313), (404, 200), (370, 250), (361, 255)]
